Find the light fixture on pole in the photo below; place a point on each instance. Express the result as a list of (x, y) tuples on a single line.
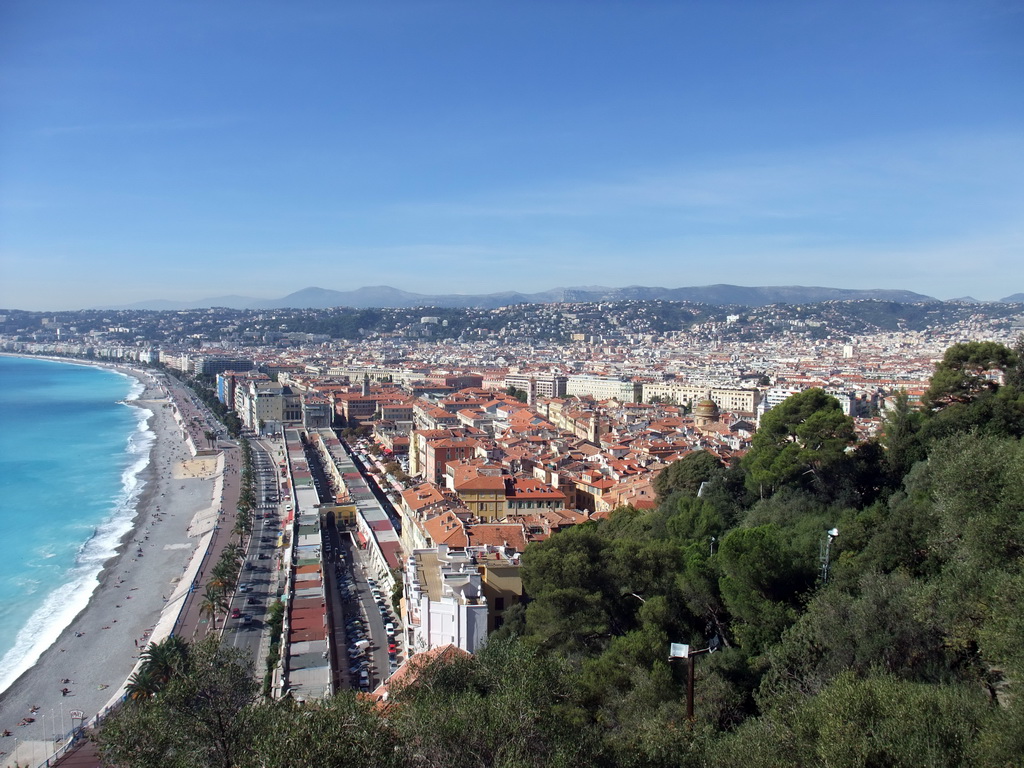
[(683, 651), (826, 553)]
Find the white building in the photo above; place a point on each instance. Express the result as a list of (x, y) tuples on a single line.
[(732, 399), (604, 388), (444, 601)]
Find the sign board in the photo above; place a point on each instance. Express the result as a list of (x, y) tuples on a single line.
[(678, 651)]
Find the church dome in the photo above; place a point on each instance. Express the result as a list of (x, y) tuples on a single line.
[(706, 408), (705, 412)]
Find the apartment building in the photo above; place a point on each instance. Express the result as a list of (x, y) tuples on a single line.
[(604, 388), (733, 400), (444, 601), (210, 365), (537, 385)]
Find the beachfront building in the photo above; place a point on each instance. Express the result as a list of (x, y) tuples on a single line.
[(260, 404), (211, 365), (265, 406)]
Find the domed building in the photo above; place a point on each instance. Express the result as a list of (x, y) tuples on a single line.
[(705, 413)]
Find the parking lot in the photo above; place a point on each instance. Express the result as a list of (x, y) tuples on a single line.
[(372, 651)]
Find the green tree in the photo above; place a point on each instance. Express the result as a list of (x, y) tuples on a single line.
[(214, 602), (687, 474), (165, 659), (1015, 375), (203, 716), (142, 684), (962, 377), (885, 626), (507, 707), (902, 441), (797, 442), (519, 394), (759, 584), (233, 554), (241, 528), (224, 575), (696, 520), (568, 583), (860, 723), (339, 730)]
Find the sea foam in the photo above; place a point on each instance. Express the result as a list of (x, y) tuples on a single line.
[(59, 608)]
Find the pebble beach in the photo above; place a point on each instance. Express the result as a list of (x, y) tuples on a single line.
[(85, 670)]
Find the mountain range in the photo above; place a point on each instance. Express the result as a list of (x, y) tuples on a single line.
[(386, 296)]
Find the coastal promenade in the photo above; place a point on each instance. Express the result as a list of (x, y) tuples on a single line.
[(190, 623), (152, 587)]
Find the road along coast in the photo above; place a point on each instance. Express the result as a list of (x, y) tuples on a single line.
[(139, 595)]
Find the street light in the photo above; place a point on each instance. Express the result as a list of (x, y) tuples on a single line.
[(826, 553), (683, 651)]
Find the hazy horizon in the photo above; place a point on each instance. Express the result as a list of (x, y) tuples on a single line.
[(181, 151)]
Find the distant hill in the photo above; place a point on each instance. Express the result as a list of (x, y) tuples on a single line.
[(1017, 298), (386, 296)]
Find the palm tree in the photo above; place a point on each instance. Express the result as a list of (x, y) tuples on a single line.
[(233, 554), (214, 601), (208, 609), (142, 685), (241, 528), (223, 577), (247, 497), (165, 658)]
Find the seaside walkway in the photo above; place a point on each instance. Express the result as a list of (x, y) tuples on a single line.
[(189, 624)]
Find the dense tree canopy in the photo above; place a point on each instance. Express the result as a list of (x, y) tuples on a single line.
[(963, 374), (687, 474), (797, 442)]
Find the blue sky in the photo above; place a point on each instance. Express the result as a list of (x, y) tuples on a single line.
[(182, 150)]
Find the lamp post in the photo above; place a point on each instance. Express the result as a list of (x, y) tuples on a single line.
[(683, 651), (826, 553)]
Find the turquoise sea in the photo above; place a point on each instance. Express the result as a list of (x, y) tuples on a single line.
[(70, 457)]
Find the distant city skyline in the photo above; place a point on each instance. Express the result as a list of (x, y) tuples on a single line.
[(181, 151)]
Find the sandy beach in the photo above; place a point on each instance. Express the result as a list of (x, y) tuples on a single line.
[(99, 649)]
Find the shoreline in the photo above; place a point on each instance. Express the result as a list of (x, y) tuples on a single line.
[(134, 593)]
